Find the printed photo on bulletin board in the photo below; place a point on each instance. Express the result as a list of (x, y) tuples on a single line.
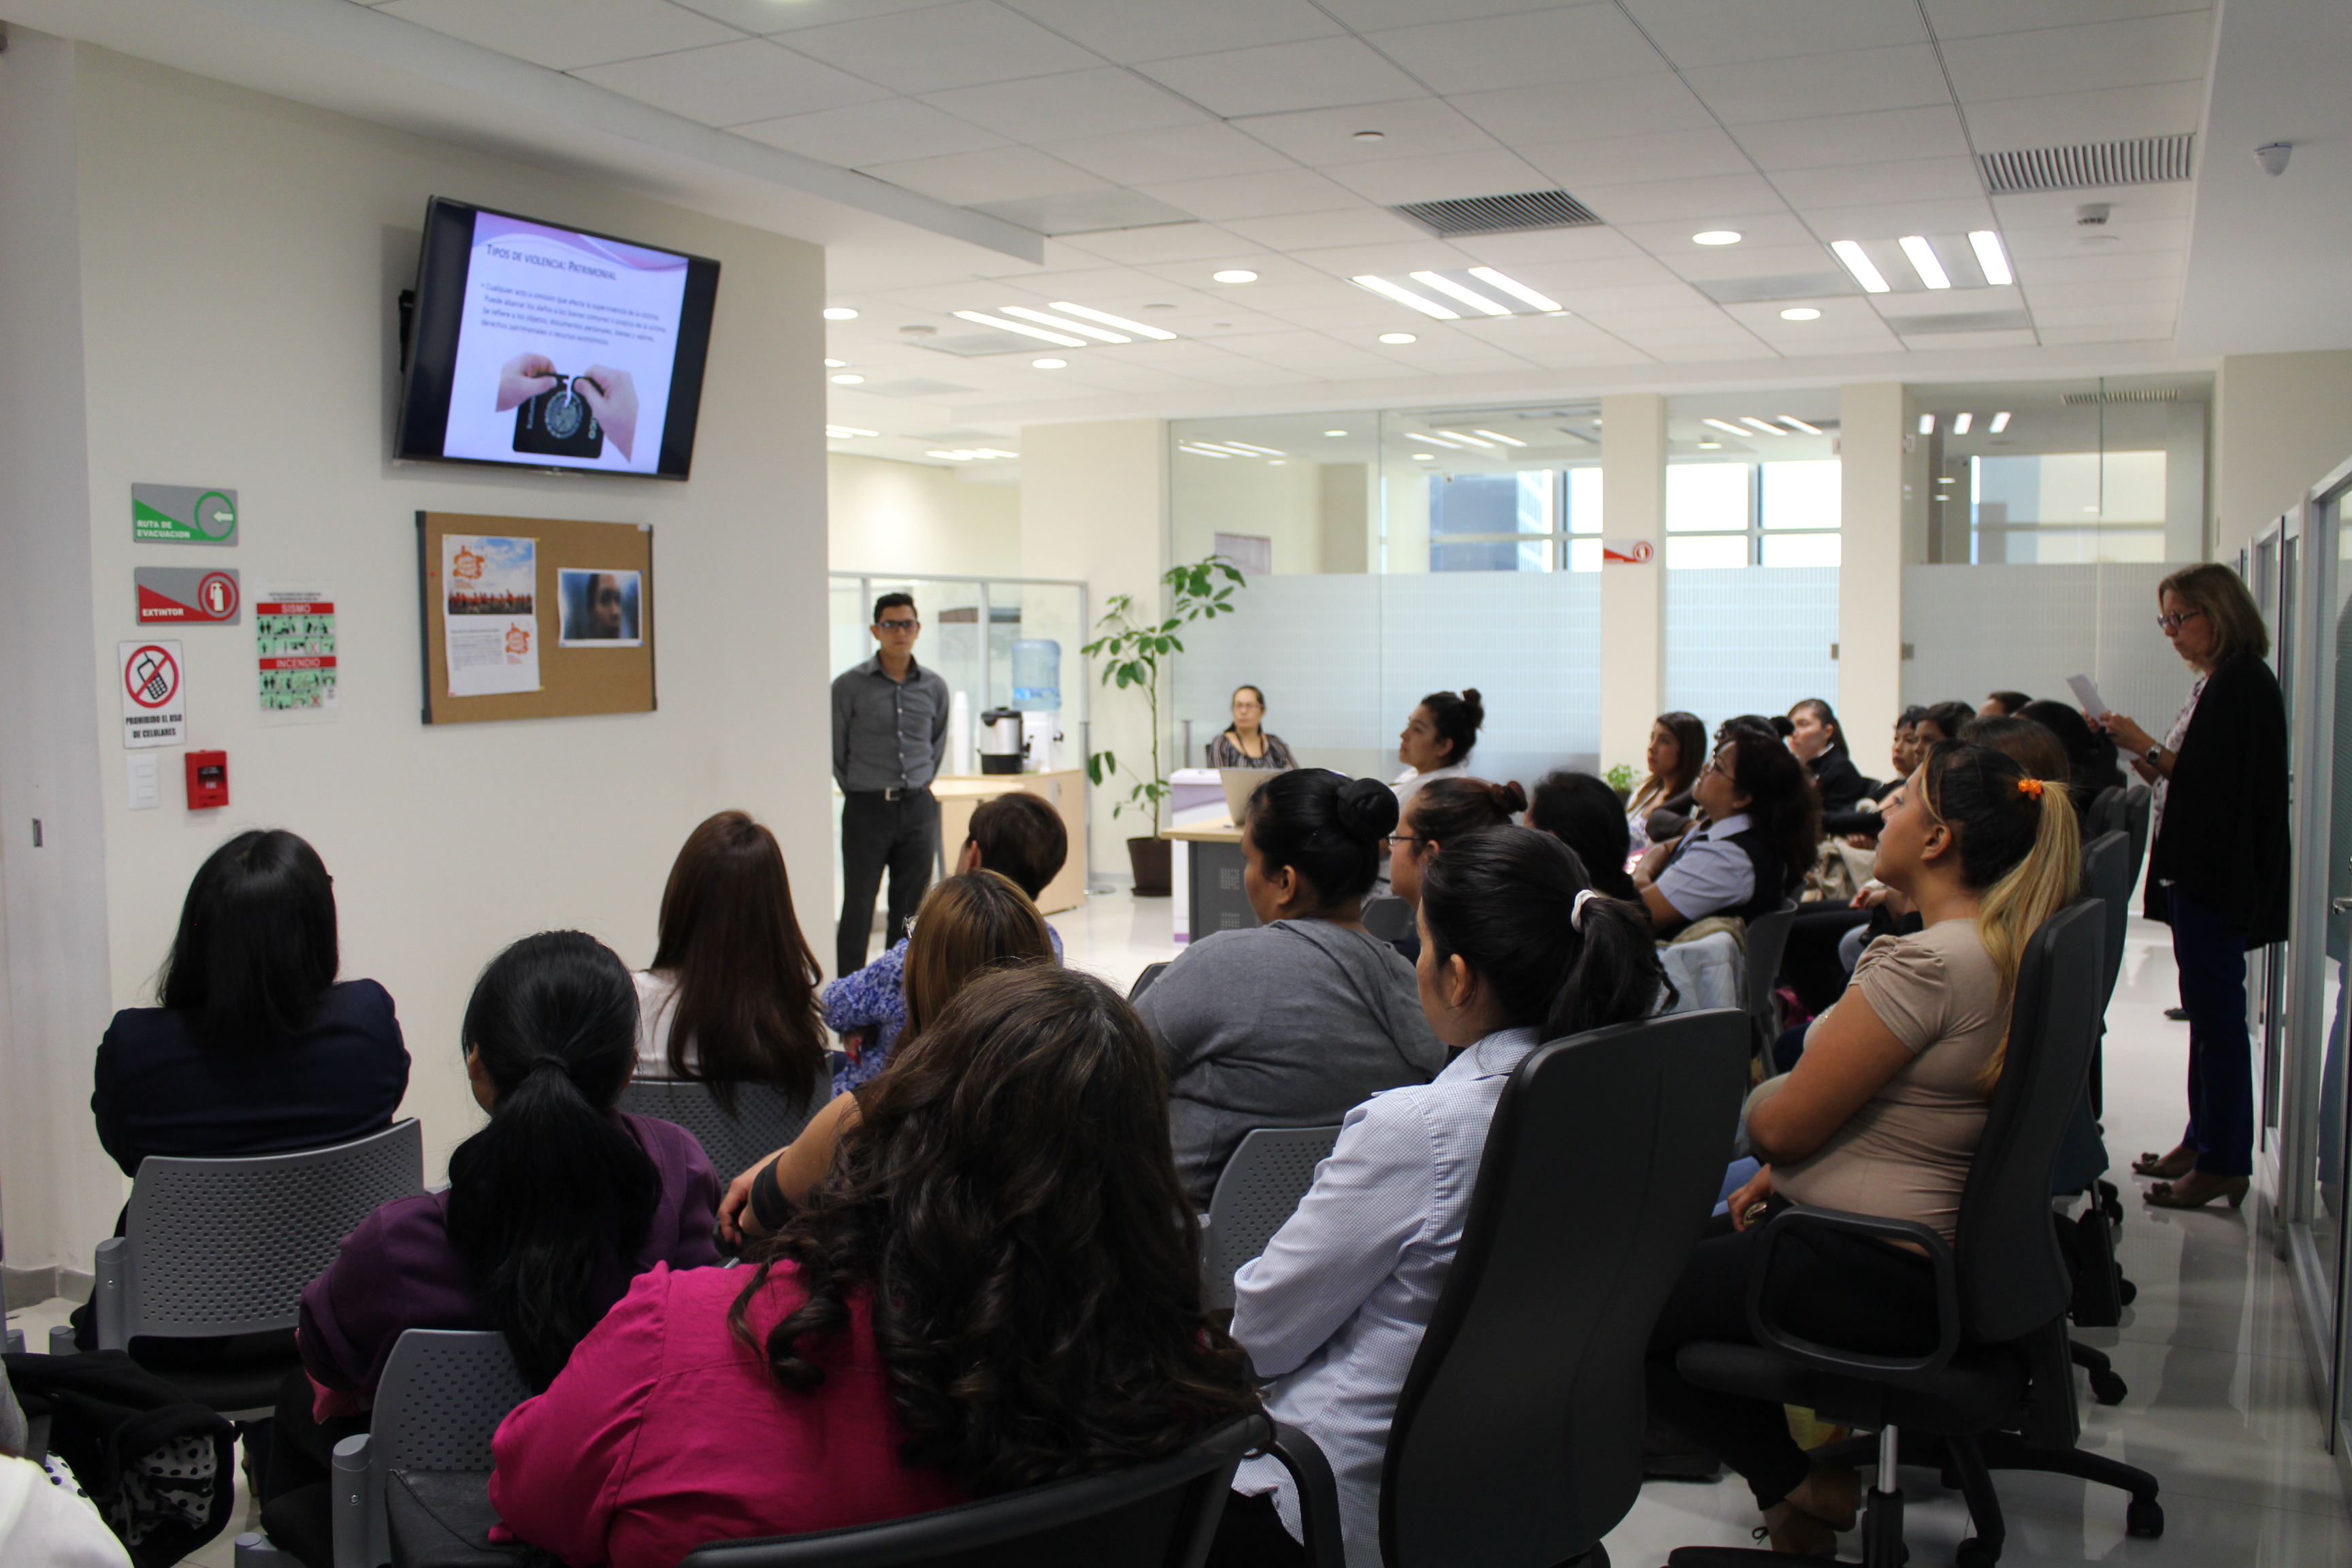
[(534, 617)]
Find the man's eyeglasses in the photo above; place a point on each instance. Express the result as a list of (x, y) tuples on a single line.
[(2172, 622), (897, 625)]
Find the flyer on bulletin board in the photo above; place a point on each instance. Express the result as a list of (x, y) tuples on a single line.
[(294, 645), (490, 617)]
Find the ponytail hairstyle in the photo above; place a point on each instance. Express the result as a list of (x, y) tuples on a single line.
[(555, 1183), (1560, 958), (256, 953), (1582, 811), (1330, 827), (1444, 809), (2020, 852), (965, 925), (1782, 800), (2031, 745), (1457, 719)]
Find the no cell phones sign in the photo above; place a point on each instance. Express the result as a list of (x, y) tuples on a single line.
[(155, 691)]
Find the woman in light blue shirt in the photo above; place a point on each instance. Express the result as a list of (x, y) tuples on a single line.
[(1517, 949)]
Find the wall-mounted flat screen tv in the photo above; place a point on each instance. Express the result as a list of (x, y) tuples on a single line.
[(535, 346)]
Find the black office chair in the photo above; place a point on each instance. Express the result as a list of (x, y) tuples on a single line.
[(2000, 1358), (2101, 1291), (1768, 941), (1517, 1440), (1151, 971), (2105, 814), (2139, 807)]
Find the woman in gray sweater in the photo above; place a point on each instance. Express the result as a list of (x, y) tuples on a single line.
[(1299, 1021)]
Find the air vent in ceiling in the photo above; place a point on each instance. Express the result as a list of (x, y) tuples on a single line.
[(1498, 214), (2150, 160), (2144, 395)]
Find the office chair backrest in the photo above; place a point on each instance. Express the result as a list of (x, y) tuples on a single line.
[(1767, 939), (1158, 1515), (1151, 971), (1388, 917), (443, 1394), (225, 1247), (2013, 1279), (1516, 1441), (2105, 814), (1257, 1191), (2107, 875), (2139, 806), (765, 1118)]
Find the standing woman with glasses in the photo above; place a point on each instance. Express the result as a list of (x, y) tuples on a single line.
[(1245, 744), (2217, 868)]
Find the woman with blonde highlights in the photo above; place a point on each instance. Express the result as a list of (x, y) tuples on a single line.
[(1881, 1116)]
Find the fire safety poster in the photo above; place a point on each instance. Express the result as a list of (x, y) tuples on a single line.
[(294, 640)]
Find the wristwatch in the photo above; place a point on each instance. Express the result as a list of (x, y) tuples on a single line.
[(2153, 752)]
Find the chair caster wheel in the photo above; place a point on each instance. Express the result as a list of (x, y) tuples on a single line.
[(2144, 1518), (2107, 1388), (2126, 1291), (1974, 1554)]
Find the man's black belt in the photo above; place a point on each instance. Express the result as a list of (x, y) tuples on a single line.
[(896, 792)]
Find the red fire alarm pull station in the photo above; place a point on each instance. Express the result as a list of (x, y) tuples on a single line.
[(207, 780)]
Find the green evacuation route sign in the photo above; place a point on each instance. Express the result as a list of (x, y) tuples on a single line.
[(182, 514)]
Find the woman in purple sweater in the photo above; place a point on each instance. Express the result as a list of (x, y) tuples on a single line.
[(552, 1209)]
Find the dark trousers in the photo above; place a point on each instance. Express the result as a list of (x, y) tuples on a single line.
[(2211, 952), (1250, 1535), (1847, 1291), (298, 1488), (901, 836)]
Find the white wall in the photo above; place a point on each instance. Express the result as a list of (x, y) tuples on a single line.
[(1210, 496), (886, 516), (2280, 423), (239, 259)]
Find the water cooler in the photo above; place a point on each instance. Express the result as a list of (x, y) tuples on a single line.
[(1037, 698)]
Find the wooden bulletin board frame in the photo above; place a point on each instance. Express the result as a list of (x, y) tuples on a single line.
[(571, 679)]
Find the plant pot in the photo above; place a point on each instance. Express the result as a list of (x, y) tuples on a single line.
[(1150, 859)]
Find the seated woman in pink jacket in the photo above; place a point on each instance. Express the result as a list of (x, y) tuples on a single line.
[(1010, 1175)]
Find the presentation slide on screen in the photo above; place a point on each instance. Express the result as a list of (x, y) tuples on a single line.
[(565, 349)]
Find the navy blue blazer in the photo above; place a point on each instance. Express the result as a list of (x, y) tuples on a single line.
[(159, 1092)]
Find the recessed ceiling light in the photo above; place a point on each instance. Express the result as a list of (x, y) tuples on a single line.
[(1505, 440), (1471, 440), (1103, 334), (1050, 363), (1945, 478), (1372, 135), (1796, 424), (1234, 275), (1260, 451), (1857, 262), (839, 313), (1749, 419), (1469, 297), (1162, 305), (1398, 338), (1275, 463), (1404, 296), (1991, 257), (1925, 261), (1159, 334), (2000, 423), (1433, 440), (1926, 425), (1204, 452), (1710, 445), (848, 380), (1424, 458), (836, 364), (1335, 432), (1516, 290), (1717, 237), (1002, 323), (1960, 422), (1801, 313), (1720, 425)]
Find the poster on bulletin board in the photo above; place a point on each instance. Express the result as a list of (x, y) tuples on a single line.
[(531, 617)]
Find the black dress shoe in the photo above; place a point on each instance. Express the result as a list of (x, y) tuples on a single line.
[(2178, 1014)]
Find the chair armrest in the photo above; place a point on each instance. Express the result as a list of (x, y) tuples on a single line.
[(357, 1496), (112, 1266), (1318, 1494), (1829, 1358)]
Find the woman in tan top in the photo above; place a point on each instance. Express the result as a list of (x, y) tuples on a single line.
[(1881, 1116)]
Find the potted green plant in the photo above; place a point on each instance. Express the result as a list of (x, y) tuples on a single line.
[(1132, 648)]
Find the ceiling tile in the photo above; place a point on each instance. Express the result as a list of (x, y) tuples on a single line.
[(1628, 106), (1254, 195), (1722, 32), (1161, 242), (1276, 78), (565, 34), (1673, 239), (1895, 308), (768, 16), (2113, 239), (1179, 153), (1536, 48), (1562, 277), (1101, 102), (1413, 128), (1860, 185), (1360, 320), (2100, 314), (1842, 316), (998, 175), (1545, 245), (2112, 114), (2128, 203), (1974, 18), (733, 84), (1906, 77), (2162, 290), (1722, 196), (1929, 343), (2088, 266), (889, 131), (1439, 177), (1700, 349), (1394, 260), (2159, 330), (957, 45), (2082, 60), (1888, 220), (1824, 141), (1654, 304), (1371, 15), (1129, 30), (1620, 159), (1752, 261), (1305, 231)]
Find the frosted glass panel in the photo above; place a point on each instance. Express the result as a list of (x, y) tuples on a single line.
[(2027, 628), (1312, 643), (1740, 641)]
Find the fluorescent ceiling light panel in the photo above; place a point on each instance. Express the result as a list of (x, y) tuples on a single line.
[(1229, 448), (848, 380), (1925, 261), (1857, 262), (843, 432), (1234, 275), (1717, 237), (1471, 440), (1059, 325), (1991, 257), (1960, 422), (1801, 313), (1398, 338), (1517, 290), (1049, 364), (1203, 452), (1002, 324), (840, 313), (1926, 425), (1262, 451), (1469, 297), (1759, 424), (1404, 296), (1157, 334), (1335, 432), (2000, 423), (837, 364), (1722, 424), (1505, 440), (1794, 423), (992, 452), (1424, 457), (1434, 440)]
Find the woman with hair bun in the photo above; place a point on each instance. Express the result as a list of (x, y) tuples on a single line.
[(1446, 810), (1435, 741), (1290, 1023), (1581, 811), (1515, 949)]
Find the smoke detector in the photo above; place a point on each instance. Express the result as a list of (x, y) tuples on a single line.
[(2273, 157), (918, 332), (2090, 215)]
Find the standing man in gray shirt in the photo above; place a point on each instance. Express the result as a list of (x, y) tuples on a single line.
[(889, 731)]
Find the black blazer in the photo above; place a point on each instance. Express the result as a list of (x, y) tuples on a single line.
[(160, 1092), (1840, 782), (2224, 838)]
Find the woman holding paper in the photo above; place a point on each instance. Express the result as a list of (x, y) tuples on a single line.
[(2217, 869)]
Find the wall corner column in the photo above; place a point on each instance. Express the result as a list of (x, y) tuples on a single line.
[(1872, 506), (1633, 597)]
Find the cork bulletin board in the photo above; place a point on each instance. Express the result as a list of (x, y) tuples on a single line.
[(534, 617)]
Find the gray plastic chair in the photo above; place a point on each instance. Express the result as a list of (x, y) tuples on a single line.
[(218, 1247), (443, 1395), (1258, 1190), (1151, 971), (2104, 815), (765, 1119), (1388, 917), (1767, 939)]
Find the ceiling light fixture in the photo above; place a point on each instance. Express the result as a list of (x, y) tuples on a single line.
[(1857, 262), (1335, 432), (1925, 261), (836, 364), (1991, 257), (1721, 425), (848, 380), (1262, 451), (1717, 237), (2000, 423), (1277, 463), (1049, 364), (1471, 440), (1710, 445), (1926, 425), (1945, 478), (1424, 457), (1372, 135), (1060, 340), (1234, 275), (1469, 297), (843, 432), (1505, 440), (1203, 452), (1404, 296), (1059, 325), (1801, 313), (1796, 424), (1158, 334), (840, 313), (1768, 429), (1227, 448), (1398, 338), (1433, 440), (1960, 422), (1519, 290)]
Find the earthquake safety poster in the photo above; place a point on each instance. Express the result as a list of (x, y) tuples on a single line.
[(301, 672)]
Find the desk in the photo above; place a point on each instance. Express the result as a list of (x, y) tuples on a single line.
[(1208, 880), (959, 793)]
